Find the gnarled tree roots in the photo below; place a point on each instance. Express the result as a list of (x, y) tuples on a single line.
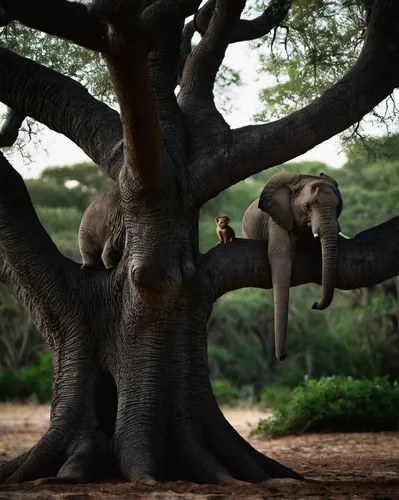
[(151, 417)]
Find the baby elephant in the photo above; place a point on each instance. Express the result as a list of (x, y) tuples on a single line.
[(223, 230), (102, 231)]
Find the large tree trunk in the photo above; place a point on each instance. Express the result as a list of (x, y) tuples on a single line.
[(132, 396)]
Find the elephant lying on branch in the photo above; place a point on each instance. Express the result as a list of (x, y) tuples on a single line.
[(102, 231), (291, 211)]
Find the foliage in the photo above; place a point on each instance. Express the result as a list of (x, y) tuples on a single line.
[(85, 66), (19, 340), (227, 393), (274, 396), (313, 48), (81, 64), (32, 380), (335, 404)]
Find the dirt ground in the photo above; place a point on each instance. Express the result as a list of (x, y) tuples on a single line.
[(344, 466)]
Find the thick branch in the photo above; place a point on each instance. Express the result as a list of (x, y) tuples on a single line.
[(185, 46), (251, 149), (201, 67), (10, 128), (243, 30), (63, 105), (246, 29), (204, 62), (69, 20), (156, 18), (163, 61), (73, 21), (262, 25), (371, 257), (141, 127), (25, 245)]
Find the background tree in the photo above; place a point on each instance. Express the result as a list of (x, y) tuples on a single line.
[(129, 346), (317, 42)]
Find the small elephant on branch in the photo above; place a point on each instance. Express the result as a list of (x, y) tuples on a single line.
[(292, 210), (102, 231)]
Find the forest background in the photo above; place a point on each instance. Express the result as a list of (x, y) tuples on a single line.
[(358, 335)]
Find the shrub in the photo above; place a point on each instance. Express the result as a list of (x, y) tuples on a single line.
[(227, 393), (32, 380), (336, 404), (36, 379), (271, 397)]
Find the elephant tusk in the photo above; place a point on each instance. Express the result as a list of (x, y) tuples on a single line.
[(315, 235), (343, 236)]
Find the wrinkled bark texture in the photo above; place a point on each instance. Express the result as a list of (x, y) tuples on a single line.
[(131, 390)]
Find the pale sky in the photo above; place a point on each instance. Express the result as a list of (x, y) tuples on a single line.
[(58, 150)]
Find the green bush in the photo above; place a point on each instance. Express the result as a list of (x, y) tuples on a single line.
[(37, 379), (336, 404), (227, 393), (32, 380), (271, 397)]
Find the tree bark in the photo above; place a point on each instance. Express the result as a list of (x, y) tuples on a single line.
[(131, 389)]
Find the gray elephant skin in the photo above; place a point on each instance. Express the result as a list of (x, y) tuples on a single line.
[(102, 231), (292, 209)]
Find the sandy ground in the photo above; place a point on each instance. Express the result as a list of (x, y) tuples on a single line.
[(344, 466)]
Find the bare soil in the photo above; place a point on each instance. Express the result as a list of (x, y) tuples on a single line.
[(343, 466)]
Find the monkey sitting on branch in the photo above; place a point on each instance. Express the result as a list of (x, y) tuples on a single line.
[(223, 230)]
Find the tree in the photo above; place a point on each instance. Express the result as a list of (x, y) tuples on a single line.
[(129, 346), (315, 45)]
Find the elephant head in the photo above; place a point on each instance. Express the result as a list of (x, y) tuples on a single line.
[(300, 205)]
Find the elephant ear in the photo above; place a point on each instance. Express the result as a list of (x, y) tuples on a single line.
[(275, 198), (329, 178)]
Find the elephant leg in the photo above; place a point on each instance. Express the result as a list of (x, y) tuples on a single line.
[(87, 249), (108, 255)]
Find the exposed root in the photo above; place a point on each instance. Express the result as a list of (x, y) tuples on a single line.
[(7, 469), (54, 460), (147, 421), (44, 459)]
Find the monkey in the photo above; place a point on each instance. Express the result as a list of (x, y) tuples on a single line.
[(224, 231)]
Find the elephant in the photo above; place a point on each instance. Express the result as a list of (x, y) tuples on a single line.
[(102, 231), (291, 210)]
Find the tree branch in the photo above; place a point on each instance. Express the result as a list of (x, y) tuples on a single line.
[(63, 105), (163, 62), (244, 29), (371, 257), (165, 68), (161, 13), (84, 26), (68, 20), (25, 245), (263, 24), (10, 128), (185, 46), (201, 67), (129, 72), (251, 149)]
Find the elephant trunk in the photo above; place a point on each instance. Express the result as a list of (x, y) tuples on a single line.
[(281, 278), (328, 229)]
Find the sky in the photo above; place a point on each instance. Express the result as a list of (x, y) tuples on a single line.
[(58, 150)]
